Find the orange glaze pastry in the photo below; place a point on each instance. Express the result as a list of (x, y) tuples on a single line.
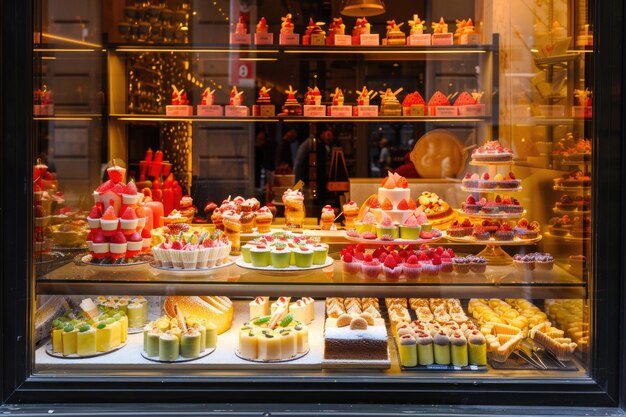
[(350, 212), (247, 221), (327, 218), (232, 230), (263, 219), (216, 219)]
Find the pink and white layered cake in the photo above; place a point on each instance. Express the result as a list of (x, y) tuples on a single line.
[(393, 196)]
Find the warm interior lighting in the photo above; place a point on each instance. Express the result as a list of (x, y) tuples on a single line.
[(70, 40), (194, 50), (358, 8), (383, 51)]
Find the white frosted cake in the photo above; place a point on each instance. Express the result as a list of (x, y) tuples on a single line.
[(395, 195)]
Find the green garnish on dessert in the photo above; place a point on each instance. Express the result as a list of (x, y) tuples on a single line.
[(288, 319), (261, 320)]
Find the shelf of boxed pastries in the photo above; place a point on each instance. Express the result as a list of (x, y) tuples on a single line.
[(360, 40), (479, 336), (315, 105)]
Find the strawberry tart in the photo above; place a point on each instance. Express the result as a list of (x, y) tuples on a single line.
[(492, 151)]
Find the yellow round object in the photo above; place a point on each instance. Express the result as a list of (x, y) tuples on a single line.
[(439, 154)]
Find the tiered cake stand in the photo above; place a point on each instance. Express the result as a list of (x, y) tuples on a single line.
[(584, 163), (493, 251)]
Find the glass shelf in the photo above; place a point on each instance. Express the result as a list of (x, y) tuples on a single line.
[(68, 117), (301, 49), (497, 281), (296, 119)]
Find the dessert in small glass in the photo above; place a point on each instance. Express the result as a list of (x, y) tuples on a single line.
[(350, 213), (232, 230), (328, 217), (263, 219), (294, 208)]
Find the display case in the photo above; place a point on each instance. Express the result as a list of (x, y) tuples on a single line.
[(231, 199)]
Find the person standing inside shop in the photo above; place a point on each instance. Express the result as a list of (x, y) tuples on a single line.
[(323, 152), (284, 156), (384, 157)]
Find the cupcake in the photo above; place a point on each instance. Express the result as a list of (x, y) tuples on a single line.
[(455, 230), (481, 234), (327, 217), (350, 265), (565, 203), (247, 220), (367, 224), (505, 233), (561, 226), (320, 253), (511, 205), (490, 226), (544, 261), (411, 268), (437, 265), (350, 212), (263, 219), (446, 263), (245, 252), (471, 180), (470, 205), (208, 209), (280, 256), (260, 256), (467, 226), (524, 262), (478, 264), (428, 269), (386, 227), (487, 182), (510, 182), (216, 219), (460, 265), (581, 227), (371, 267), (410, 229), (303, 256), (491, 207), (391, 269)]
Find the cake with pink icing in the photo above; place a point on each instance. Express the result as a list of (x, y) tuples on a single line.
[(410, 229), (394, 196), (386, 229), (395, 188)]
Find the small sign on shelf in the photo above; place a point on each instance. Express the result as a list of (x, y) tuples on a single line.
[(178, 110), (213, 110)]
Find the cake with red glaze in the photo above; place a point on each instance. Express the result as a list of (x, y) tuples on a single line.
[(492, 151)]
